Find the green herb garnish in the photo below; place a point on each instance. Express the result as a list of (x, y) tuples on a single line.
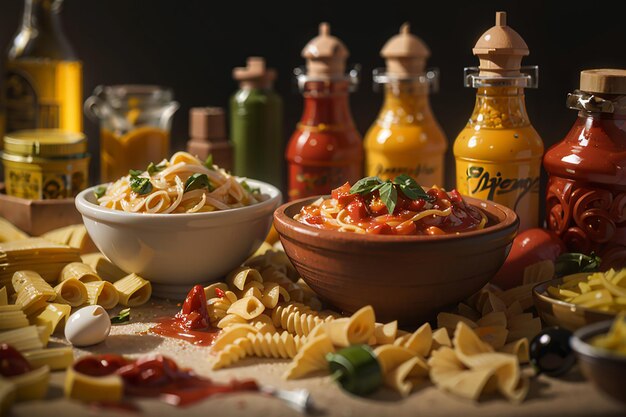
[(99, 191), (209, 162), (122, 317), (388, 190), (140, 185), (198, 181), (249, 189), (152, 169), (135, 172)]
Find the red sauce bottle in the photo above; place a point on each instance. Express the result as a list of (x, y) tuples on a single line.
[(586, 195), (325, 150)]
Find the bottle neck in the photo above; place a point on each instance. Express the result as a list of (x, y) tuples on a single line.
[(499, 108), (326, 103), (405, 103), (41, 34)]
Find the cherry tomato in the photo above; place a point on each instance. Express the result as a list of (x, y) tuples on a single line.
[(416, 205), (12, 362), (380, 229), (377, 207), (529, 247), (406, 228)]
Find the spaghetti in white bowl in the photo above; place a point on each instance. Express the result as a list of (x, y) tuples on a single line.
[(182, 184), (177, 250)]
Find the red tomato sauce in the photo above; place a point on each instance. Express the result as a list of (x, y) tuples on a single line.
[(369, 214)]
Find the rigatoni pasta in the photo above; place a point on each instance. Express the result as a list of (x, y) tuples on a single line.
[(79, 271), (102, 293), (24, 338), (54, 316), (133, 290), (72, 292), (12, 317), (56, 359), (105, 269), (32, 291)]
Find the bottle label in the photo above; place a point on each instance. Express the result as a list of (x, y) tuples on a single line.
[(427, 170), (307, 180), (47, 184), (513, 185), (43, 94)]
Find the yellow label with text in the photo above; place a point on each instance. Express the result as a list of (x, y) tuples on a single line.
[(515, 185), (427, 169)]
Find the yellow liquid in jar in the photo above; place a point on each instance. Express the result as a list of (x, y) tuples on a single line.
[(133, 150), (43, 93), (406, 138)]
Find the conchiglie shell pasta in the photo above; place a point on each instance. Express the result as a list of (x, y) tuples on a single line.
[(273, 294), (391, 356), (240, 276), (385, 333), (406, 375), (420, 341), (356, 329)]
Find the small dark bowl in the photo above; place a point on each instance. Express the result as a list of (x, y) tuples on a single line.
[(560, 313), (605, 369), (405, 278)]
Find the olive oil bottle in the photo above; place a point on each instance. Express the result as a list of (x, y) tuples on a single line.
[(42, 81)]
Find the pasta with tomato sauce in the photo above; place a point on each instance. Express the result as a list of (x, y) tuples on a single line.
[(434, 212)]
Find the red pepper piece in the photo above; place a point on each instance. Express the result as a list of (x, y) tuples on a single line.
[(357, 209), (342, 194)]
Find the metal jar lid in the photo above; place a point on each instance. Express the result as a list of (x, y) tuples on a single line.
[(603, 81), (45, 143)]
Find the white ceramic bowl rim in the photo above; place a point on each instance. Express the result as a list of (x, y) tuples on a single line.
[(86, 206), (580, 345)]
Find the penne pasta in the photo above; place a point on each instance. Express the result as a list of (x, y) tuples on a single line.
[(102, 293), (87, 388), (133, 290), (72, 292)]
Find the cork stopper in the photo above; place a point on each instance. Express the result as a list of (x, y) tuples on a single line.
[(603, 81), (255, 73), (500, 50), (405, 54), (207, 124), (325, 55)]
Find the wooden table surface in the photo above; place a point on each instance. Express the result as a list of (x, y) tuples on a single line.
[(566, 397)]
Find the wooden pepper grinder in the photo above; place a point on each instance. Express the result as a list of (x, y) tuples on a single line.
[(207, 129)]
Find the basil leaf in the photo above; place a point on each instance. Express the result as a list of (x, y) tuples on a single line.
[(198, 181), (365, 185), (389, 196), (209, 161), (140, 185), (122, 317), (249, 189), (405, 180), (135, 172), (152, 169), (415, 193), (100, 191)]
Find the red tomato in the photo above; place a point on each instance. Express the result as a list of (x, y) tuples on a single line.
[(380, 229), (529, 247), (406, 228), (357, 209), (416, 205), (377, 207), (12, 363), (342, 194)]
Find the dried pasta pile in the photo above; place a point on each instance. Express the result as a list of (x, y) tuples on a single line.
[(265, 312), (605, 291), (31, 308)]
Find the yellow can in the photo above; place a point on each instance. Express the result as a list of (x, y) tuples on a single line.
[(45, 164)]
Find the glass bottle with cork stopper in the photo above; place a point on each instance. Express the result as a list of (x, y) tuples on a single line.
[(207, 129), (406, 138), (498, 153), (586, 192), (256, 118), (325, 150)]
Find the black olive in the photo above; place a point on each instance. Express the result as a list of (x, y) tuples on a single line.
[(551, 353)]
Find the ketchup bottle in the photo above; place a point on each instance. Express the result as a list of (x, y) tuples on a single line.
[(586, 193), (326, 150)]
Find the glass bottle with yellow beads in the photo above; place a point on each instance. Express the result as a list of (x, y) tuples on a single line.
[(498, 153)]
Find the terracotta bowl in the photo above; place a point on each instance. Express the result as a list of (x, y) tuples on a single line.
[(567, 315), (405, 278), (603, 368)]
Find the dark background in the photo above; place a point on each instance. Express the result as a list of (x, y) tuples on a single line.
[(192, 46)]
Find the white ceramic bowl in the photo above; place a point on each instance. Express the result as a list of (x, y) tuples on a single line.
[(177, 251)]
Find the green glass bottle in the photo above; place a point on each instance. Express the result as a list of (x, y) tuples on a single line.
[(256, 118)]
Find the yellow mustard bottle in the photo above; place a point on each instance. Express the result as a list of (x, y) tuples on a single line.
[(406, 138), (498, 153)]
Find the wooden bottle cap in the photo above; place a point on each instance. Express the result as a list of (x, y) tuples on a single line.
[(207, 124), (325, 55), (606, 81), (405, 53), (500, 50), (255, 72)]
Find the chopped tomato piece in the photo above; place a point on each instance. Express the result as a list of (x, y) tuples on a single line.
[(377, 207), (342, 194), (357, 209), (314, 219), (380, 229), (455, 196), (434, 230), (416, 205), (438, 193), (406, 228)]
